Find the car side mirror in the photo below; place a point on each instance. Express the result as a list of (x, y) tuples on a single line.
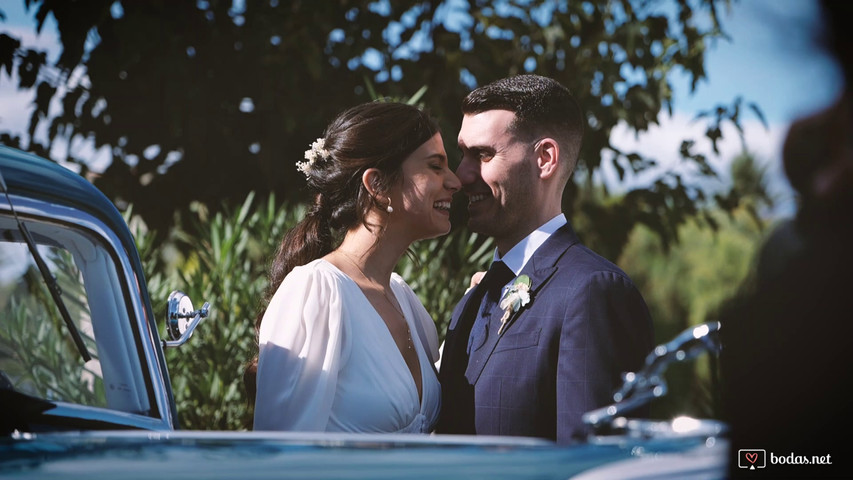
[(642, 387), (181, 319)]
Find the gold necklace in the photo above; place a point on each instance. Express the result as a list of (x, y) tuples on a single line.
[(385, 296)]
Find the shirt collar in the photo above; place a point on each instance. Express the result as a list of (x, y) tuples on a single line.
[(517, 257)]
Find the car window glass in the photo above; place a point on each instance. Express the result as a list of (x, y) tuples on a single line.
[(38, 356)]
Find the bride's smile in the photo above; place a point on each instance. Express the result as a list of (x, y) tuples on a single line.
[(426, 192)]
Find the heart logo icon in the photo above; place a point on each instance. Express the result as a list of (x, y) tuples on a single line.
[(752, 457)]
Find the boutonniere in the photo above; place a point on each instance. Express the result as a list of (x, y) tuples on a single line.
[(515, 297)]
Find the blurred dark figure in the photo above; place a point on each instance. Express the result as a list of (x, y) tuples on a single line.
[(788, 338)]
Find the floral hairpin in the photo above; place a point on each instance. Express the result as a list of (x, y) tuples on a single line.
[(317, 152)]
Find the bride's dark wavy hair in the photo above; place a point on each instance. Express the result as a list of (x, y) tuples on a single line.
[(378, 135)]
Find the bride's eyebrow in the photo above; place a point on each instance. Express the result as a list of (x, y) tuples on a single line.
[(436, 156)]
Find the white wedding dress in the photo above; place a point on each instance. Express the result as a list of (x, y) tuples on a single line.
[(328, 362)]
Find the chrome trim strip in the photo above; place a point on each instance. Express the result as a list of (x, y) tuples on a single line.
[(105, 415)]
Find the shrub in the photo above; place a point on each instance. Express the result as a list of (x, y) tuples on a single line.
[(226, 262)]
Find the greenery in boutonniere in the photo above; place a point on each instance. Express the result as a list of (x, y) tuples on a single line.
[(517, 296)]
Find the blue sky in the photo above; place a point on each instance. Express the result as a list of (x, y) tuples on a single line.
[(772, 59)]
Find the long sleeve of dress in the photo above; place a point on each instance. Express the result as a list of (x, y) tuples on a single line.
[(301, 351)]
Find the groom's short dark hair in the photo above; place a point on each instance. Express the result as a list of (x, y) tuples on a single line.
[(542, 107)]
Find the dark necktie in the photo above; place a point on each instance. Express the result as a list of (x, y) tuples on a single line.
[(490, 288), (457, 394)]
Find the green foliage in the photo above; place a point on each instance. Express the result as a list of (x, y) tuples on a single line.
[(749, 187), (228, 266), (236, 96), (683, 286), (439, 271), (236, 91), (36, 350)]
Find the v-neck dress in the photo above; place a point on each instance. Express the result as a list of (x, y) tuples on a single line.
[(328, 362)]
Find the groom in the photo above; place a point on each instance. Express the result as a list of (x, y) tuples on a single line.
[(546, 334)]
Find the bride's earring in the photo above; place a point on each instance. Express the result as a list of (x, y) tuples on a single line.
[(389, 209)]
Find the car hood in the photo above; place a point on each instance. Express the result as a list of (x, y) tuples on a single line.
[(258, 455)]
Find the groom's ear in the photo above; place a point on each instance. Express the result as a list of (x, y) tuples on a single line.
[(548, 157)]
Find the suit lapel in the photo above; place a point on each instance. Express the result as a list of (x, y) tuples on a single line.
[(540, 269), (453, 340), (538, 278), (460, 312)]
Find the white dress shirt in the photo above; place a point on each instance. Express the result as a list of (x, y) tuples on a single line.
[(518, 256)]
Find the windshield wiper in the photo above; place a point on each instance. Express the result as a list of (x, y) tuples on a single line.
[(48, 277)]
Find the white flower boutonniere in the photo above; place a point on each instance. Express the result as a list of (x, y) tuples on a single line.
[(516, 296)]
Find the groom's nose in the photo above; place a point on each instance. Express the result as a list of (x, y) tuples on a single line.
[(468, 171)]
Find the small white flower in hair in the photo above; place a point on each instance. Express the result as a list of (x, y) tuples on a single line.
[(317, 152)]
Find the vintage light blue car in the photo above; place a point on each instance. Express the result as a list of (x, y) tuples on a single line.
[(85, 390)]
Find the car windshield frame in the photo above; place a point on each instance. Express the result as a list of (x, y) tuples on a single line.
[(158, 416)]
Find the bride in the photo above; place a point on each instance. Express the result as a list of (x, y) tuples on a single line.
[(344, 343)]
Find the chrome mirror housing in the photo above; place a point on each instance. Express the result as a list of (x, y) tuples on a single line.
[(181, 319)]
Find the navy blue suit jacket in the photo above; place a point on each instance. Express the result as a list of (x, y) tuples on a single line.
[(559, 356)]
